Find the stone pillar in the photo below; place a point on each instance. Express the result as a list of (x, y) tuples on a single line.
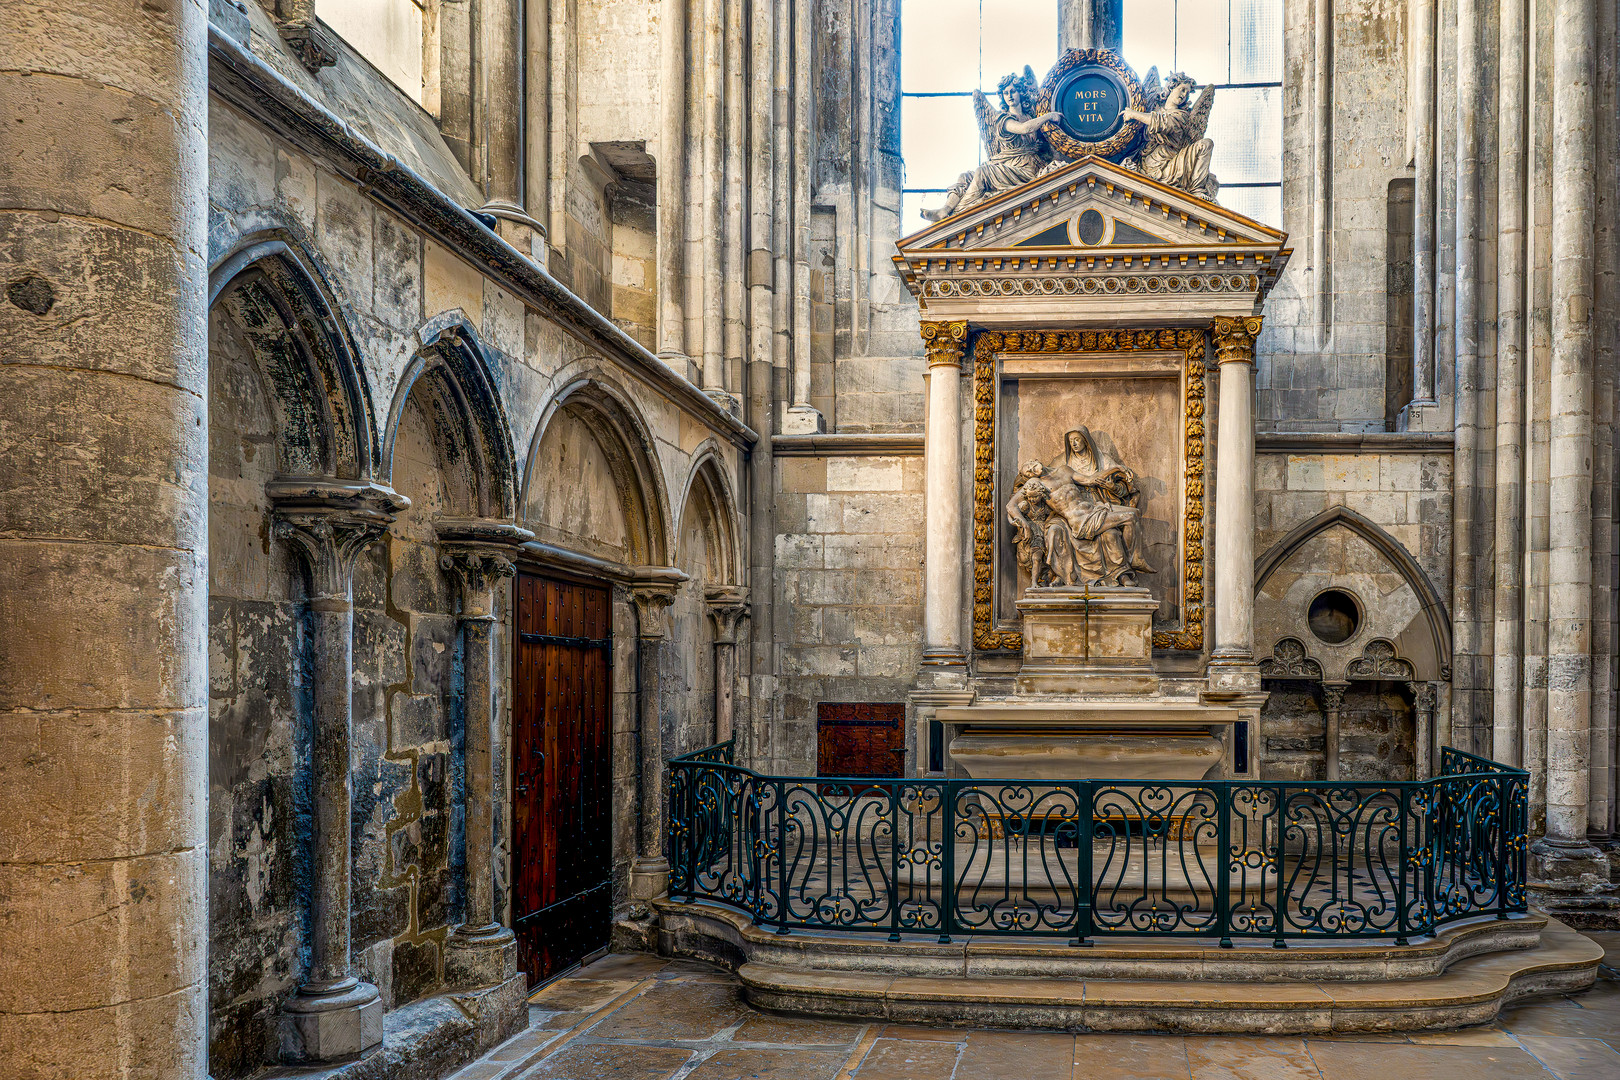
[(478, 554), (671, 173), (497, 120), (727, 606), (1332, 705), (649, 871), (1231, 666), (1563, 860), (1090, 24), (1425, 697), (104, 540), (943, 605), (333, 1016)]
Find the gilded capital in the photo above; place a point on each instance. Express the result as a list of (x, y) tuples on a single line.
[(946, 342), (1234, 338)]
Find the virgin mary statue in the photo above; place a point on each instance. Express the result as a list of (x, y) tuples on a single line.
[(1109, 502)]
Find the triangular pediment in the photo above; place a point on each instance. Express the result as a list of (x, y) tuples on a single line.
[(1091, 240), (1090, 204)]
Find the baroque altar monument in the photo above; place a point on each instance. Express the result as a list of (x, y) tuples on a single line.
[(1089, 556)]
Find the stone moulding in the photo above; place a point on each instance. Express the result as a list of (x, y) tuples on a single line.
[(990, 345)]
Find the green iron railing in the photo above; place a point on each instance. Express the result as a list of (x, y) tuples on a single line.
[(1080, 859)]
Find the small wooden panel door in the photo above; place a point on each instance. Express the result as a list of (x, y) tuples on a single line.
[(860, 738), (562, 770)]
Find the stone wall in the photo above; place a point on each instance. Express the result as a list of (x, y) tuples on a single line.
[(849, 555)]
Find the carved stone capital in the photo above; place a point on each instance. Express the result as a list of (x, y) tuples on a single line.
[(1425, 696), (479, 553), (946, 342), (1333, 696), (329, 523), (728, 605), (652, 600), (1234, 338)]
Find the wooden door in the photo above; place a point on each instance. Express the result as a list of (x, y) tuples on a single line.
[(562, 775), (860, 739)]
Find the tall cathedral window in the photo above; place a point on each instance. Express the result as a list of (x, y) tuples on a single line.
[(949, 47)]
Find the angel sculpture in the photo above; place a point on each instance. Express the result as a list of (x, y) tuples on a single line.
[(1174, 150), (1017, 150)]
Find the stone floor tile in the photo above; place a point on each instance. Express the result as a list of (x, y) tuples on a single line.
[(1235, 1057), (1585, 1016), (676, 1010), (692, 969), (557, 1021), (1575, 1059), (608, 1061), (1610, 940), (1469, 1036), (1388, 1061), (580, 995), (1017, 1055), (908, 1059), (924, 1034), (741, 1063), (624, 966), (1130, 1057), (797, 1031)]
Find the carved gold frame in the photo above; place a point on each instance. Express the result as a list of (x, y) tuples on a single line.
[(993, 343), (1116, 144)]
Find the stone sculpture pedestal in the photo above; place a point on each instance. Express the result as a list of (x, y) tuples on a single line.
[(1087, 641)]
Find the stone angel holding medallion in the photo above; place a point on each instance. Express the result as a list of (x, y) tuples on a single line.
[(1174, 149), (1016, 150)]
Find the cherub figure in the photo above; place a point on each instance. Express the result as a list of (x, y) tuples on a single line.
[(1017, 150), (1174, 150)]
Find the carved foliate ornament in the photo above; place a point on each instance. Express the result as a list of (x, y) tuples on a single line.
[(652, 603), (728, 606), (945, 342), (331, 544), (1234, 338), (1289, 660), (986, 516), (1378, 661)]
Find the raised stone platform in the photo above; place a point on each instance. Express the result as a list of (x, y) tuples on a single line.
[(1465, 975)]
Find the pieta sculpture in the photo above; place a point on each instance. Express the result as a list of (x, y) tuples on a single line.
[(1016, 150), (1077, 520), (1173, 149)]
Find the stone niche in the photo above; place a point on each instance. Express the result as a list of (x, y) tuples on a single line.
[(1098, 301)]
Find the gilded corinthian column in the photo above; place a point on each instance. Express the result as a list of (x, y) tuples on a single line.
[(1231, 663), (943, 602)]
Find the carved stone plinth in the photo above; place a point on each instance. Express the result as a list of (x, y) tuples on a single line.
[(479, 957), (1096, 641), (331, 1027)]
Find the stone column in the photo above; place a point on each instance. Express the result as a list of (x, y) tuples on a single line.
[(478, 554), (727, 606), (104, 541), (333, 1016), (498, 82), (1090, 24), (1425, 696), (1563, 859), (1332, 705), (1231, 665), (671, 172), (943, 605), (649, 871)]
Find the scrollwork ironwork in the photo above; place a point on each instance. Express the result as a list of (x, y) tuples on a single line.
[(1222, 859)]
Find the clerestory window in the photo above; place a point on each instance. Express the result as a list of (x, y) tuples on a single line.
[(949, 47)]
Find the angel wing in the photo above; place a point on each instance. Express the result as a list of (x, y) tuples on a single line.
[(1200, 112), (988, 115), (1152, 92)]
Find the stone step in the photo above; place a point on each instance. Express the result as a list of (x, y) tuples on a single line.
[(1471, 990), (707, 931)]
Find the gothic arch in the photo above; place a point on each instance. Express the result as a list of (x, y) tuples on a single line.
[(708, 494), (1434, 609), (452, 382), (625, 440), (275, 293)]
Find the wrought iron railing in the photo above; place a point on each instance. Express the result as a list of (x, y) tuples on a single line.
[(1097, 858)]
